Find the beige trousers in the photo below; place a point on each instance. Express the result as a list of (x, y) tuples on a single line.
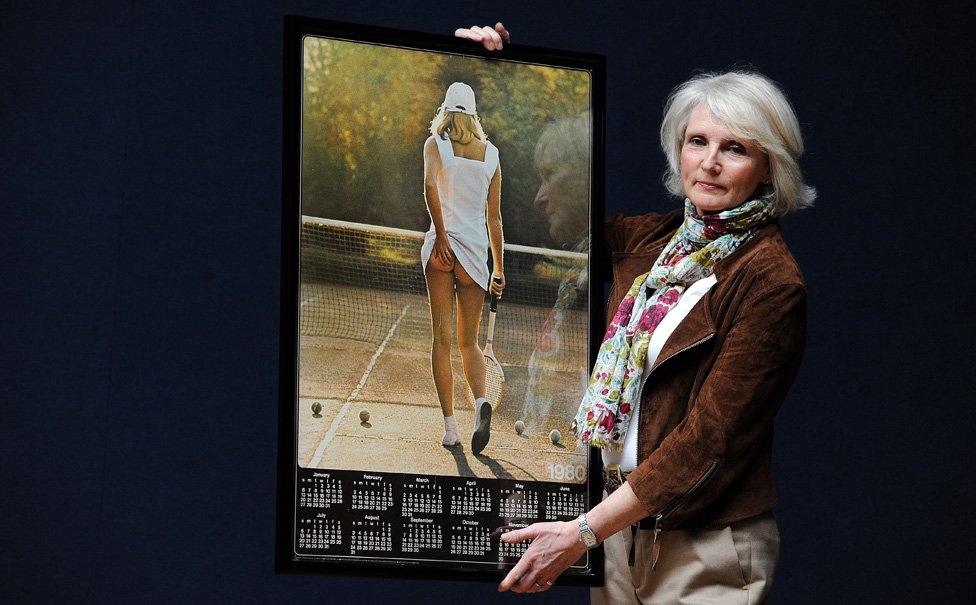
[(724, 565)]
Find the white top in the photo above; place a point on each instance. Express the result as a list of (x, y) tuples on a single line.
[(462, 187), (627, 456)]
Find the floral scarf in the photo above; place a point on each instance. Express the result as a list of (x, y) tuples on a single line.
[(689, 256)]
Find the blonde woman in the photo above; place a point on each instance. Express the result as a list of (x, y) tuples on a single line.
[(462, 186)]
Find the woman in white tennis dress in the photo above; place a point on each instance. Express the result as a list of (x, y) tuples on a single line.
[(462, 186)]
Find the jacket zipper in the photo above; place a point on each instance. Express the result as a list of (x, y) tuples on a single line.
[(640, 396), (655, 546), (672, 506)]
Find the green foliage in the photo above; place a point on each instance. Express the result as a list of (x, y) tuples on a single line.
[(367, 111)]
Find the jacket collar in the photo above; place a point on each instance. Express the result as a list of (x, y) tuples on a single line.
[(699, 325), (732, 263)]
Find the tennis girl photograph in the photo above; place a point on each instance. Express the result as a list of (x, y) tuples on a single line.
[(444, 255)]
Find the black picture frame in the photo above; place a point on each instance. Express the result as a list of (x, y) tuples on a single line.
[(296, 29)]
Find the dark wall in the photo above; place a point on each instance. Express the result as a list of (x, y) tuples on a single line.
[(141, 170)]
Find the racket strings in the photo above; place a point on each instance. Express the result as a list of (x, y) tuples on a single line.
[(494, 381)]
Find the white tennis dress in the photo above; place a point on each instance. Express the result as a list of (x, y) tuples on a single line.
[(462, 187)]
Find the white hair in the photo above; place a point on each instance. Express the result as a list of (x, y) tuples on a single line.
[(751, 106), (569, 138)]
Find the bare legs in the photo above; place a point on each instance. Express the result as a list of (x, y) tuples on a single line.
[(445, 285), (470, 299), (440, 293)]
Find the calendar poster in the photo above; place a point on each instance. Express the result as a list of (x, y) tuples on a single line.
[(438, 321)]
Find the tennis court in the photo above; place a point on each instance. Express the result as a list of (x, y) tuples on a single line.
[(365, 343)]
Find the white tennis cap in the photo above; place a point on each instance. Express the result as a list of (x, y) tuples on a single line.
[(459, 97)]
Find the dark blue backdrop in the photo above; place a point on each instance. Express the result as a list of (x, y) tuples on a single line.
[(141, 175)]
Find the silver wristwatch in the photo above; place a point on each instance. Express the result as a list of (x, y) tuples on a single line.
[(587, 537)]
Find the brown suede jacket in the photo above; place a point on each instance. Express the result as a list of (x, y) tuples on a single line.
[(707, 409)]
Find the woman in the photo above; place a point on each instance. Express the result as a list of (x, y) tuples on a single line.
[(462, 186), (709, 299)]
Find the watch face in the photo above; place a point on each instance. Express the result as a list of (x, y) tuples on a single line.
[(587, 537)]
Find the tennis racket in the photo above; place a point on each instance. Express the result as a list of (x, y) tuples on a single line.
[(494, 375), (494, 386)]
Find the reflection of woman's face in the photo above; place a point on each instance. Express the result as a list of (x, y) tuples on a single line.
[(718, 169), (562, 197)]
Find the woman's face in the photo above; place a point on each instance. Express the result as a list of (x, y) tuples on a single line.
[(718, 170)]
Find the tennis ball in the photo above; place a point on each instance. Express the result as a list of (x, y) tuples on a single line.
[(519, 427), (316, 408), (555, 436), (364, 416)]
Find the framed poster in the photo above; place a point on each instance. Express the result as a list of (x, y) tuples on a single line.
[(420, 416)]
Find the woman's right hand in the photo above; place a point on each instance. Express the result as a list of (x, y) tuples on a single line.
[(442, 251), (497, 282), (491, 38)]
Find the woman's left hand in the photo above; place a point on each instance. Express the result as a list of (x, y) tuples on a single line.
[(555, 546)]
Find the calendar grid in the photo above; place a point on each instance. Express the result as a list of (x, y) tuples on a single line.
[(349, 514)]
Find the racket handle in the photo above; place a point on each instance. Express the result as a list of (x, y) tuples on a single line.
[(492, 308), (491, 333), (493, 305)]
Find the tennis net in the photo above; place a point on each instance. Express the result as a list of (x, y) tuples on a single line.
[(357, 280)]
